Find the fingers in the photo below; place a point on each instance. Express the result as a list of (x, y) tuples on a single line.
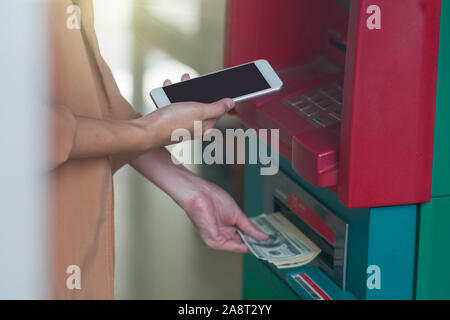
[(246, 226), (235, 246), (218, 109), (236, 235), (228, 240), (229, 103), (185, 77)]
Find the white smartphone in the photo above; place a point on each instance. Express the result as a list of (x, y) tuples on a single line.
[(239, 83)]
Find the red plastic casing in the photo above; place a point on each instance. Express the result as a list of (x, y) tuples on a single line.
[(380, 154)]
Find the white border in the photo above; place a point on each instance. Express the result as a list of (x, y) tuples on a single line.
[(159, 97)]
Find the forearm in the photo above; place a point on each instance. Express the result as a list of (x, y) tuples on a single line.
[(213, 212), (96, 138), (175, 180), (75, 137)]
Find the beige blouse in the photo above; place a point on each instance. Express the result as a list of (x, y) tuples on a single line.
[(81, 191)]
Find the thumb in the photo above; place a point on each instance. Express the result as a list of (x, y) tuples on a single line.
[(219, 108), (228, 102), (246, 226)]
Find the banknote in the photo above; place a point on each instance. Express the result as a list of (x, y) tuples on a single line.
[(295, 264), (287, 246), (276, 247), (282, 224)]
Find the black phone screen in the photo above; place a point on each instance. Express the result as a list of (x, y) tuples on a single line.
[(231, 83)]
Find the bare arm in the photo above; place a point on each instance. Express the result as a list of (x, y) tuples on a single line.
[(76, 137), (213, 212), (96, 138)]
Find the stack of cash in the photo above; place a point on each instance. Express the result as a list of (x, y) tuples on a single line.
[(286, 247)]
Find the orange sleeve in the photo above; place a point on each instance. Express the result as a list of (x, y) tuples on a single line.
[(120, 107), (120, 110), (63, 126)]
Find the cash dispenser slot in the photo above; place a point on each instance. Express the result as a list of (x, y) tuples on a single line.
[(316, 221)]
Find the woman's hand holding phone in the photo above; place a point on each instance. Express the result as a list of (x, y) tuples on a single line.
[(158, 126), (213, 212)]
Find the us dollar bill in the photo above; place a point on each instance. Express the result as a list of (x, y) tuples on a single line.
[(298, 238), (286, 247), (276, 247)]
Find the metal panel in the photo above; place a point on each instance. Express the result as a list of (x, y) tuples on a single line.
[(381, 236), (386, 137), (279, 188), (433, 277), (441, 157), (388, 108), (392, 247)]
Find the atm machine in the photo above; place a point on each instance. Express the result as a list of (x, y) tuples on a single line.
[(364, 157)]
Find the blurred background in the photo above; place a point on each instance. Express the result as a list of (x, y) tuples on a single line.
[(158, 253)]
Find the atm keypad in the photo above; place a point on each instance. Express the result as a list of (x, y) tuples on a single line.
[(336, 115), (324, 120), (309, 110), (321, 107)]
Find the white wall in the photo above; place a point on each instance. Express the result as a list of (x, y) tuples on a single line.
[(22, 149)]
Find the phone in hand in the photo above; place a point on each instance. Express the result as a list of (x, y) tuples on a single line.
[(239, 83)]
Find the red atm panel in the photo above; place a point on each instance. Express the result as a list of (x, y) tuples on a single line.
[(357, 110), (389, 107)]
